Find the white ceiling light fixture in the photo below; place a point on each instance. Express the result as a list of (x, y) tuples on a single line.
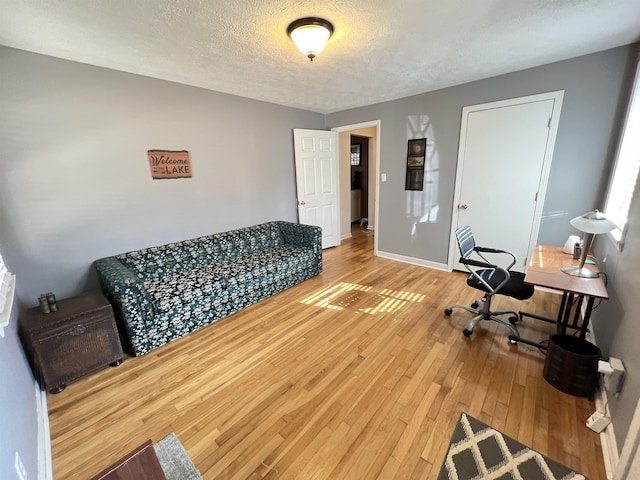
[(310, 34)]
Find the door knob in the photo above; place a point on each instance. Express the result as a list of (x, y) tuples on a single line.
[(463, 206), (302, 202)]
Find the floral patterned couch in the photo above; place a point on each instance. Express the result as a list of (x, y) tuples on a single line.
[(162, 293)]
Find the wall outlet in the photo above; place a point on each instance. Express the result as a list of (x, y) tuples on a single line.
[(19, 466), (598, 422), (613, 382)]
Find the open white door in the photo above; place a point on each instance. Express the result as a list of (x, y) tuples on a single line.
[(503, 164), (316, 160)]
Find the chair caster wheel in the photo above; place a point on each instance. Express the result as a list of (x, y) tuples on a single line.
[(514, 319), (448, 311), (474, 305), (467, 333), (513, 339)]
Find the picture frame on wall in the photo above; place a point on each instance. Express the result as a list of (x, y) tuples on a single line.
[(416, 147), (416, 152), (415, 161), (414, 180)]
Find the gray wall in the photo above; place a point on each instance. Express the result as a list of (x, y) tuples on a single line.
[(75, 183), (592, 86), (615, 321), (75, 186), (18, 419)]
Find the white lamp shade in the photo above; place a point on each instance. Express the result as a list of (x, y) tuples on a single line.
[(310, 39), (593, 222)]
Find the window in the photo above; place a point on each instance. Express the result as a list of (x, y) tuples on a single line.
[(5, 275), (355, 155), (625, 173), (7, 283)]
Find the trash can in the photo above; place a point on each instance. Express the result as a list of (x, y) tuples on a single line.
[(571, 365)]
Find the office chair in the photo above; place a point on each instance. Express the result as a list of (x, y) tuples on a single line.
[(490, 279)]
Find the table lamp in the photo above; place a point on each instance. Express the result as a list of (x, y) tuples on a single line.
[(591, 224)]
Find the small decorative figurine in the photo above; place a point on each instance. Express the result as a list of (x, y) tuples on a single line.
[(51, 300), (44, 305)]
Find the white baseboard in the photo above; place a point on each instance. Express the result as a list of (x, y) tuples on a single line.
[(607, 436), (413, 261), (344, 237), (45, 469)]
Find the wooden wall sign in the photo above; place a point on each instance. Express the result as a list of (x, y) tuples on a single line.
[(169, 164)]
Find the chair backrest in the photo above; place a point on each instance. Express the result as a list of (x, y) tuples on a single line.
[(466, 242)]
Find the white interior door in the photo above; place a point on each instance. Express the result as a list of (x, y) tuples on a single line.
[(503, 165), (317, 181)]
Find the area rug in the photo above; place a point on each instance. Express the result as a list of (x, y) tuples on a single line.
[(477, 451), (174, 459)]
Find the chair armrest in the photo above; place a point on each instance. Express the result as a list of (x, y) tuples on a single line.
[(477, 263), (489, 250), (304, 236), (300, 234), (132, 304), (481, 250)]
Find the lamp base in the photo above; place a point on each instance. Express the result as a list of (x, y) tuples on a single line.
[(583, 272)]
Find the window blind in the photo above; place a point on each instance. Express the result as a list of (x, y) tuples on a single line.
[(625, 176), (5, 276), (7, 288)]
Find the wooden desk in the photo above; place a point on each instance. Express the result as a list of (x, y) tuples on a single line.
[(545, 270)]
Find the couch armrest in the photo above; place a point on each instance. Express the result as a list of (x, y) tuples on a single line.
[(304, 236), (125, 291)]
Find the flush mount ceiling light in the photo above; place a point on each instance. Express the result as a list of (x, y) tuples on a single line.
[(310, 34)]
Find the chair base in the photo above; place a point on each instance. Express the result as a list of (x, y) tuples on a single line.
[(483, 312)]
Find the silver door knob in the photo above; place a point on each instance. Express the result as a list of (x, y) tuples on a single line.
[(302, 202), (463, 206)]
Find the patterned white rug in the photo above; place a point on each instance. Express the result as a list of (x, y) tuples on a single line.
[(477, 451), (174, 460)]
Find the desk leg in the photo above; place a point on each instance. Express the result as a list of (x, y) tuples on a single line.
[(562, 328), (563, 305), (587, 316), (576, 316)]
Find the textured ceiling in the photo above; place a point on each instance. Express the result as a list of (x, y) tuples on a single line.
[(381, 49)]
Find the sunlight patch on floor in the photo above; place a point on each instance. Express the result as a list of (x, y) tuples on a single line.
[(346, 295)]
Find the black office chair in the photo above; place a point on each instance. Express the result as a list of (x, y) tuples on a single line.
[(492, 280)]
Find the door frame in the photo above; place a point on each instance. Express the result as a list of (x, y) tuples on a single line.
[(557, 97), (358, 126)]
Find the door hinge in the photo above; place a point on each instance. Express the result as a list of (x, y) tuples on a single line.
[(549, 123), (536, 198)]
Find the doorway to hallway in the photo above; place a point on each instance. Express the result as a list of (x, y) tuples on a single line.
[(359, 160), (369, 134)]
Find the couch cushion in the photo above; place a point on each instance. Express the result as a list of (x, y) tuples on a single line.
[(227, 245), (251, 276), (159, 262), (189, 286)]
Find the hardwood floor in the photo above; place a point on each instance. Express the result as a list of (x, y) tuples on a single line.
[(354, 374)]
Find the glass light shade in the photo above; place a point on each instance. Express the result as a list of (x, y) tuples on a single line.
[(310, 34), (310, 39), (593, 222)]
